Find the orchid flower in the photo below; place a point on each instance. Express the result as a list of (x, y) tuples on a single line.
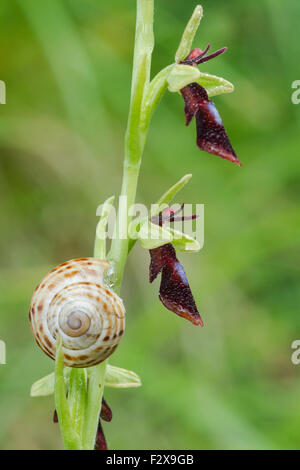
[(174, 292), (211, 134)]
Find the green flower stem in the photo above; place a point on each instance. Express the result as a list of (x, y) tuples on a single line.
[(155, 92)]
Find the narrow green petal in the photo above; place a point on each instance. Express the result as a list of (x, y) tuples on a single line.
[(214, 85), (116, 377)]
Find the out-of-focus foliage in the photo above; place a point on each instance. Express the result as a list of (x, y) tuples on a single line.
[(67, 67)]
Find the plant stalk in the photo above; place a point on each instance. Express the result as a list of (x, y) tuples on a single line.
[(136, 133)]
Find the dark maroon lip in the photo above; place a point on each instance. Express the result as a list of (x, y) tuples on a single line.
[(174, 292), (211, 133)]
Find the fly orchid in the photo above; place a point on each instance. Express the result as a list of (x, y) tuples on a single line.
[(211, 134), (196, 87), (174, 292)]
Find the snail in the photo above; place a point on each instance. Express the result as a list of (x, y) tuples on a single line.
[(74, 302)]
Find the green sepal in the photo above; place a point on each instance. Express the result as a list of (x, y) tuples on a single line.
[(182, 75), (153, 236), (115, 377), (214, 85), (190, 31), (170, 194), (45, 386), (183, 242)]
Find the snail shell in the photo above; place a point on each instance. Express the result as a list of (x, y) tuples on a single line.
[(74, 302)]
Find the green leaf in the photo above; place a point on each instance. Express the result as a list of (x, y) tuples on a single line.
[(182, 75), (121, 378), (70, 437), (92, 410), (152, 236), (77, 395), (214, 85), (190, 31)]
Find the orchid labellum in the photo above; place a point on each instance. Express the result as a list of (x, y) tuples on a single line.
[(174, 292)]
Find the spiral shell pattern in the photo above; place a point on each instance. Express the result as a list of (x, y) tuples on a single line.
[(74, 302)]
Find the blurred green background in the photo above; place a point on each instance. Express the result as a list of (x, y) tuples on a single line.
[(67, 66)]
